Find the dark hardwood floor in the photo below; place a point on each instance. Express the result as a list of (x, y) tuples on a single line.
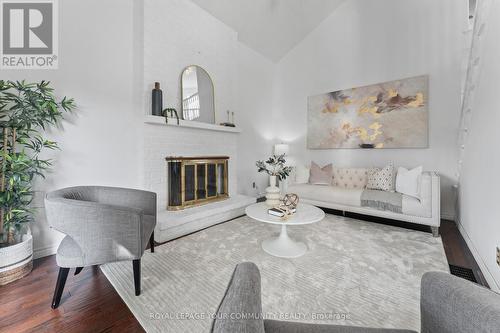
[(90, 303)]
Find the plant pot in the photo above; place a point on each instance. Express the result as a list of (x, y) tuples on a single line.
[(272, 193), (16, 261)]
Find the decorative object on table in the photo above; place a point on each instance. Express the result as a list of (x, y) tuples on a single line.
[(381, 179), (281, 211), (228, 123), (157, 100), (275, 167), (291, 200), (273, 193), (26, 109), (197, 94), (287, 208), (321, 175), (283, 246), (385, 115), (172, 113)]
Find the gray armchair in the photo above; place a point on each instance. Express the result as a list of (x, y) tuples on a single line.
[(102, 225), (448, 305)]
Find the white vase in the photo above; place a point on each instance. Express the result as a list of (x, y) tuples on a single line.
[(272, 193)]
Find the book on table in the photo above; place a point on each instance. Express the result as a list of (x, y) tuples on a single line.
[(278, 212)]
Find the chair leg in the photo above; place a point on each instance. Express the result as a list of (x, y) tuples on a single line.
[(78, 270), (137, 276), (61, 281), (152, 242)]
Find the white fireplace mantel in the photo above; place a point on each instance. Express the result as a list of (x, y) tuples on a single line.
[(157, 120)]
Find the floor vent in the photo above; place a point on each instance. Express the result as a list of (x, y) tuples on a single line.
[(465, 273)]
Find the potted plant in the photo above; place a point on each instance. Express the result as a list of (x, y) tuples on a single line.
[(26, 110), (275, 167)]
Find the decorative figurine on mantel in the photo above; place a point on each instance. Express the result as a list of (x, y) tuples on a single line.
[(275, 167), (157, 100), (229, 123), (172, 113)]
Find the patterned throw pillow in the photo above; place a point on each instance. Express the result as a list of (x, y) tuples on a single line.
[(381, 179), (350, 178)]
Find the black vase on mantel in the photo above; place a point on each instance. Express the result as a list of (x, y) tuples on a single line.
[(157, 100)]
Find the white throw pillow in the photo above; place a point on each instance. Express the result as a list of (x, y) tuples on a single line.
[(381, 179), (408, 181), (301, 174)]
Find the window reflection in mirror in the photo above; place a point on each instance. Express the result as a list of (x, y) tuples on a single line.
[(197, 95)]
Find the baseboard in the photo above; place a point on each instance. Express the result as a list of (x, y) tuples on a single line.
[(448, 216), (44, 251), (480, 262)]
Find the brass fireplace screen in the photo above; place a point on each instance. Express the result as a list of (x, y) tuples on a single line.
[(194, 181)]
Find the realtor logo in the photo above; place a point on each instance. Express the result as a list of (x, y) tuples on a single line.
[(29, 34)]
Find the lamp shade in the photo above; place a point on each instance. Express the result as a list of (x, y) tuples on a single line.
[(281, 149)]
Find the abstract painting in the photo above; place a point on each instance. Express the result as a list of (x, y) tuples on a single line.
[(385, 115)]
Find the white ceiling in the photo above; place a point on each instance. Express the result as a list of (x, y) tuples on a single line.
[(270, 27)]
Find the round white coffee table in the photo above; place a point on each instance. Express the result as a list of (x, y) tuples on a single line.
[(283, 246)]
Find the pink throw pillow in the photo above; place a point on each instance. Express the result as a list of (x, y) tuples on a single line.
[(321, 176)]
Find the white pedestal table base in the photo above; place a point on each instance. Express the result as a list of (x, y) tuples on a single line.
[(283, 246)]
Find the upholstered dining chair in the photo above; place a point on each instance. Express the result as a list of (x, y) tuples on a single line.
[(102, 225)]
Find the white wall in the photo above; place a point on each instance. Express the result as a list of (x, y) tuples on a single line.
[(99, 142), (365, 42), (254, 110), (478, 203), (178, 33)]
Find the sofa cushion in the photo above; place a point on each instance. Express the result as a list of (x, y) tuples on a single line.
[(408, 181), (321, 176), (334, 194), (381, 179), (350, 178), (420, 207)]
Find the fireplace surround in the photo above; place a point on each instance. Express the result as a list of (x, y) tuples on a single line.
[(194, 181)]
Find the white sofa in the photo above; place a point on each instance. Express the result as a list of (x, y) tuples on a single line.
[(425, 211)]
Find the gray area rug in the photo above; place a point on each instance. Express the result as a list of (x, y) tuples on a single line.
[(355, 273)]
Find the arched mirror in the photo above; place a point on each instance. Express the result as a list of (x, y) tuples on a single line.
[(197, 95)]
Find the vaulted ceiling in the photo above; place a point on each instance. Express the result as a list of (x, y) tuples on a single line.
[(270, 27)]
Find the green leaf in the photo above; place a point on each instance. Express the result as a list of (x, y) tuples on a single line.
[(30, 108)]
